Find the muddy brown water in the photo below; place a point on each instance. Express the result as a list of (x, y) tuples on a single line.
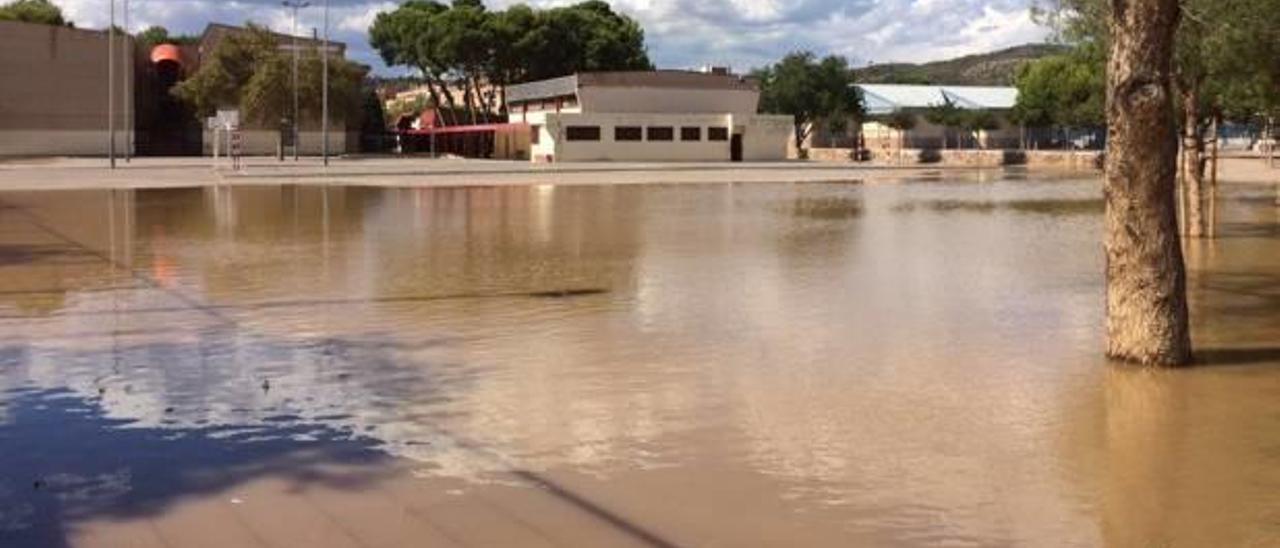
[(666, 365)]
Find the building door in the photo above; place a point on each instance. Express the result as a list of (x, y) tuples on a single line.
[(735, 148)]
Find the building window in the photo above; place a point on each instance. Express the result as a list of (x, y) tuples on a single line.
[(535, 134), (582, 133), (717, 134), (626, 133), (661, 133), (690, 134)]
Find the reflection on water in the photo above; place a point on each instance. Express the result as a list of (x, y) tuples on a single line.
[(797, 364)]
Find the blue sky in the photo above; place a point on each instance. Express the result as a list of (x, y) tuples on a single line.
[(680, 33)]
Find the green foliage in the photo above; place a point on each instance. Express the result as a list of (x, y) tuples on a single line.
[(1063, 90), (899, 120), (248, 71), (1227, 52), (810, 90), (156, 35), (946, 115), (373, 119), (33, 11), (464, 44), (979, 120)]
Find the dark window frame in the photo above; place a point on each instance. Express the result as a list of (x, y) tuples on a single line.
[(628, 134), (592, 133), (660, 134), (717, 134), (535, 134), (687, 131)]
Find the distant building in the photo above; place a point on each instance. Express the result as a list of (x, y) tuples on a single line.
[(215, 33), (883, 99), (653, 115), (53, 95), (53, 90)]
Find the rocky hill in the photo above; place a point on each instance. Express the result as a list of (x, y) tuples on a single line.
[(986, 69)]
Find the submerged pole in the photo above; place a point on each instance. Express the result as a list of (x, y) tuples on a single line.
[(324, 107)]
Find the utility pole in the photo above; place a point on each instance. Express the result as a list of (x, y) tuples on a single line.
[(111, 87), (324, 107), (128, 86), (295, 5)]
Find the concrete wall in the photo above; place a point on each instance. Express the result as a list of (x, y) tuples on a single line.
[(608, 149), (763, 137), (53, 90), (263, 142), (668, 101)]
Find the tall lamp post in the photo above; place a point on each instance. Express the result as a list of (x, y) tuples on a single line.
[(295, 5), (324, 101), (128, 86), (111, 87)]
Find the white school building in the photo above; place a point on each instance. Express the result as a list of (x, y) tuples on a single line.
[(647, 116)]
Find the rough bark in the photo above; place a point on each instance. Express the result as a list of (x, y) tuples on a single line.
[(1212, 221), (1146, 280), (1193, 147)]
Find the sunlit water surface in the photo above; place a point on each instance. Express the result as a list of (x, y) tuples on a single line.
[(790, 364)]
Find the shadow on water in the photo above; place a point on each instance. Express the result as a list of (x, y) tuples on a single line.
[(11, 255), (1056, 207), (829, 208), (1242, 294), (74, 462), (1258, 355)]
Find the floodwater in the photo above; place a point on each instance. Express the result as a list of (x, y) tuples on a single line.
[(657, 365)]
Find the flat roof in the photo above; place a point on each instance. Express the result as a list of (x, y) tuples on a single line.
[(666, 79)]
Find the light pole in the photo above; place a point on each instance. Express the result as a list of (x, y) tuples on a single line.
[(111, 87), (295, 5), (128, 86), (324, 106)]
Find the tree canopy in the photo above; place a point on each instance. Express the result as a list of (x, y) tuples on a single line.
[(811, 90), (33, 11), (464, 46), (1067, 90), (248, 71), (1227, 52), (156, 34)]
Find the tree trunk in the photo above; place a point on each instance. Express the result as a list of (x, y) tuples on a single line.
[(450, 104), (1213, 177), (1193, 148), (1145, 276)]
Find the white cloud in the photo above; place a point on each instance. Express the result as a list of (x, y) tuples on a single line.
[(680, 33)]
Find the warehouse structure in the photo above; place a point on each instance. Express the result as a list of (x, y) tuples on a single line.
[(647, 116)]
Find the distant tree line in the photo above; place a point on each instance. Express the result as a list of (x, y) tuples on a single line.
[(34, 11), (468, 55), (155, 35)]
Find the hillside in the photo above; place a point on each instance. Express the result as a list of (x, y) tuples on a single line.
[(985, 69)]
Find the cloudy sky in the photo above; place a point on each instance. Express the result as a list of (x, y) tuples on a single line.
[(680, 33)]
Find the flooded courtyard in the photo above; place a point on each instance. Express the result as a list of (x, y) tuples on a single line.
[(807, 364)]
